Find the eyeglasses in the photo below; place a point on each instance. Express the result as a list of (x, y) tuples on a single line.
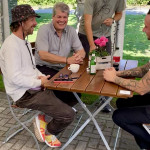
[(65, 77)]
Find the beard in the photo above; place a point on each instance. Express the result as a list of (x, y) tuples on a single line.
[(29, 31)]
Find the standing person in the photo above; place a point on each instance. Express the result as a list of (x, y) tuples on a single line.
[(24, 82), (135, 111), (54, 43), (98, 17), (97, 20)]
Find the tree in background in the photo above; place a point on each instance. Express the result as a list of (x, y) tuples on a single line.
[(73, 2), (45, 2), (137, 2)]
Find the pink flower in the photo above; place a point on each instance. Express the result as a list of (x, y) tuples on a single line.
[(101, 41), (97, 41)]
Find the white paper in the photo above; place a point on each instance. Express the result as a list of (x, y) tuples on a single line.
[(147, 127), (125, 92)]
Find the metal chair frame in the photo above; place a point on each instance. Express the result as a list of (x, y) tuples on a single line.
[(21, 124)]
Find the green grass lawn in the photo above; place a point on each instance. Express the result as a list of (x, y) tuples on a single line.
[(136, 45)]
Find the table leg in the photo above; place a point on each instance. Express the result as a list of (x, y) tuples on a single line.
[(88, 120), (76, 133)]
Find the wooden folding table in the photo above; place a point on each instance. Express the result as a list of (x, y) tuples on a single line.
[(91, 84)]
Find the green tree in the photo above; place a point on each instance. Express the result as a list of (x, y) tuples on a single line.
[(45, 2), (137, 2)]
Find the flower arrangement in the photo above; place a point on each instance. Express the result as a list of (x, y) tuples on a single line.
[(101, 46)]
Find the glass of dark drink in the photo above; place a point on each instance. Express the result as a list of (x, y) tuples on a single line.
[(116, 66), (116, 61)]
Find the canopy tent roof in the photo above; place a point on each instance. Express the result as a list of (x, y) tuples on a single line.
[(5, 8)]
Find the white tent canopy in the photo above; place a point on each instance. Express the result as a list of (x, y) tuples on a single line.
[(4, 20)]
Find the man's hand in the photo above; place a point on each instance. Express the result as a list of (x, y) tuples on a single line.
[(74, 60), (44, 79), (92, 47), (77, 57), (80, 53), (109, 74), (108, 21)]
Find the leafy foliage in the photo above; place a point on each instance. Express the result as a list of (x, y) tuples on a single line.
[(137, 2), (45, 2), (100, 53), (73, 2)]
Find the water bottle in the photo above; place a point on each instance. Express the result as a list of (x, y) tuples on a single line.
[(93, 65)]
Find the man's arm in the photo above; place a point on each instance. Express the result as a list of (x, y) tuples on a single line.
[(88, 30), (117, 16), (138, 72), (52, 58), (140, 86)]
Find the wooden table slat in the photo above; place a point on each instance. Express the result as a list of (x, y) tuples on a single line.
[(67, 86), (82, 83), (96, 84), (109, 89)]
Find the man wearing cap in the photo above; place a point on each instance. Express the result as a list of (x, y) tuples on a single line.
[(23, 81)]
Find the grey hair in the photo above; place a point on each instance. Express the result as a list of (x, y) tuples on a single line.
[(62, 7)]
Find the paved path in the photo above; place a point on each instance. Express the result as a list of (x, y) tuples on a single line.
[(88, 139), (137, 10)]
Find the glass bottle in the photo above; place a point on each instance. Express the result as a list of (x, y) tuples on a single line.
[(93, 65)]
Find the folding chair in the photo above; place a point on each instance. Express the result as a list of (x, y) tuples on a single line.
[(20, 125)]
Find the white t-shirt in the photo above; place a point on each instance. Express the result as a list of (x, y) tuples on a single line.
[(17, 68), (100, 10)]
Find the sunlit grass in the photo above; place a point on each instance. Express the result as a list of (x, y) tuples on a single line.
[(136, 45)]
